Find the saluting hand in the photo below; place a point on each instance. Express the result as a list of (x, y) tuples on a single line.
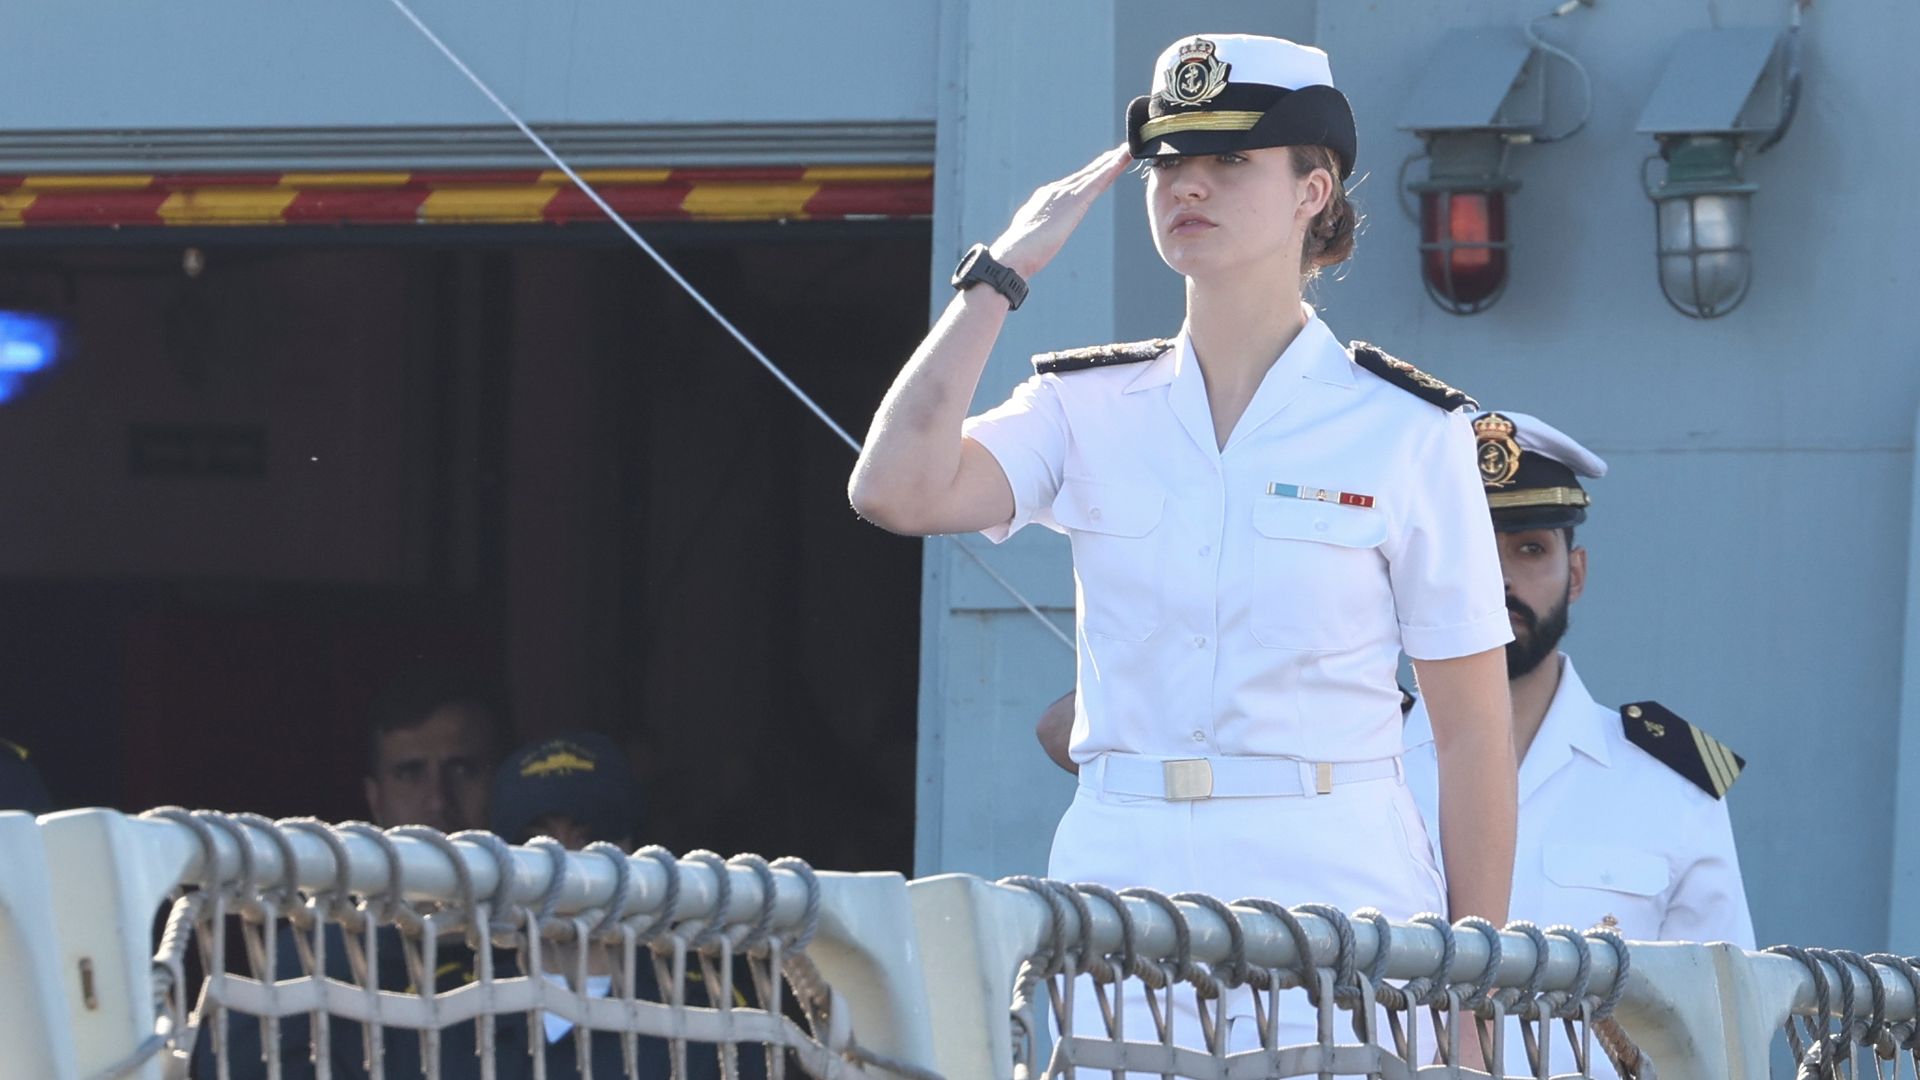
[(1041, 226)]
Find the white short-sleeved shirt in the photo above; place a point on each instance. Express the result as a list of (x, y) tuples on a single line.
[(1606, 829), (1218, 618)]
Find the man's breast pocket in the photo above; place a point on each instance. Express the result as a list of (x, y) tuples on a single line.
[(1320, 581), (1116, 536), (1592, 881)]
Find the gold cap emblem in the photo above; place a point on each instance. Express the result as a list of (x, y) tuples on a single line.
[(1197, 75), (1499, 454), (560, 762)]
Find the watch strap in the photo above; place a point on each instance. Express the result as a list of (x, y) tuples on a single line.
[(977, 266)]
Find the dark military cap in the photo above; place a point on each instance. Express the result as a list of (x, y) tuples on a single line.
[(1532, 472), (584, 776), (20, 784)]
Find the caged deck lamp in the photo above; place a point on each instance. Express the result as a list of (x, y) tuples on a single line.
[(1463, 222), (1484, 93), (1724, 94)]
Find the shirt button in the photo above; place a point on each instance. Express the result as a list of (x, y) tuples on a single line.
[(1094, 513), (1318, 526), (1206, 550), (1199, 642), (1199, 736)]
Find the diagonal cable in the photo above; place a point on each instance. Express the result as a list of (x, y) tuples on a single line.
[(625, 227), (726, 324)]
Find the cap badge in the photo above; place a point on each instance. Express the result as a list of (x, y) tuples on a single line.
[(560, 762), (1197, 75), (1499, 454)]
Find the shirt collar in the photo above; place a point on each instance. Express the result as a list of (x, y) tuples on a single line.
[(1330, 362), (1314, 354), (1575, 718)]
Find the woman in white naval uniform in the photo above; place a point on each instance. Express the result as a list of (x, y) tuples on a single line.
[(1261, 521), (1622, 820)]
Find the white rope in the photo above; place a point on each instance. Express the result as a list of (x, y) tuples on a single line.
[(687, 286)]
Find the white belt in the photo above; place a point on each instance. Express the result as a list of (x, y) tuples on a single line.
[(1185, 779)]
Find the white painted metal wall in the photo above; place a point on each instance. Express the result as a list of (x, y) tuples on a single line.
[(1750, 549), (119, 85)]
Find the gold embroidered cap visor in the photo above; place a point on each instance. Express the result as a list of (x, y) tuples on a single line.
[(1245, 116), (1544, 494)]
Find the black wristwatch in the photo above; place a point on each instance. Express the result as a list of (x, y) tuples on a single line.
[(977, 266)]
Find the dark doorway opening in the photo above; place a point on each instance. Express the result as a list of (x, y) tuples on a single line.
[(246, 497)]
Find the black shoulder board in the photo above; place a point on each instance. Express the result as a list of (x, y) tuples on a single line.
[(1093, 356), (1410, 378), (1680, 746)]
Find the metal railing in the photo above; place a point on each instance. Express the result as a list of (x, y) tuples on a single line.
[(884, 977)]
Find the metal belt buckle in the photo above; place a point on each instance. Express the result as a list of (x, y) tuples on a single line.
[(1187, 778)]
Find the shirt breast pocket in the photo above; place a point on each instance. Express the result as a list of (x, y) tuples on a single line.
[(1597, 880), (1116, 534), (1320, 581)]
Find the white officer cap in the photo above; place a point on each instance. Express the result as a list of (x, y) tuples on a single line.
[(1536, 436), (1222, 93), (1272, 61)]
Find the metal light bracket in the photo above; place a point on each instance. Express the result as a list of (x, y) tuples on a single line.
[(1485, 79), (1720, 82)]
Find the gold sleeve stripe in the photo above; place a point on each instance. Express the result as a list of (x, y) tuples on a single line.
[(1716, 766), (1726, 758), (1715, 773)]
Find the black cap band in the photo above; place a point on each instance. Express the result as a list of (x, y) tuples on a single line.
[(1245, 116)]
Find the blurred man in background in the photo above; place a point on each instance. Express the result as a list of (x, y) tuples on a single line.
[(433, 736)]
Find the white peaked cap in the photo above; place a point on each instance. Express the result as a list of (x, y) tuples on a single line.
[(1255, 59), (1536, 436), (1227, 93)]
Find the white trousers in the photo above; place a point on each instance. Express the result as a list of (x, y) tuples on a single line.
[(1363, 845)]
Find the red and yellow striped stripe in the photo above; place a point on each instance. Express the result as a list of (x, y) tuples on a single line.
[(498, 197)]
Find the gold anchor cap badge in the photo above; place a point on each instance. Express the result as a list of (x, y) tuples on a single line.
[(1499, 453)]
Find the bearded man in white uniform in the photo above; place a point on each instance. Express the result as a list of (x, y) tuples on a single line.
[(1622, 814), (1623, 819)]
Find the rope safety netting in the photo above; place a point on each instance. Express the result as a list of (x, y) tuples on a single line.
[(1830, 1042), (383, 982), (1166, 1013), (298, 948)]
